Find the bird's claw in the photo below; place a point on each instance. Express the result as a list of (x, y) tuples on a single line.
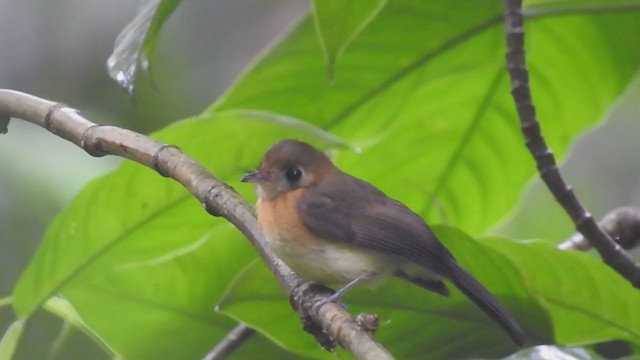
[(335, 298)]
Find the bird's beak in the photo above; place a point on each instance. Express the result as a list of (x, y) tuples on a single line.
[(252, 177)]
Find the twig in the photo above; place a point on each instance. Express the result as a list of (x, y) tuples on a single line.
[(622, 224), (612, 254), (63, 337), (236, 337), (218, 199)]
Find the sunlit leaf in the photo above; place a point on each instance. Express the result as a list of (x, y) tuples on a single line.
[(423, 91)]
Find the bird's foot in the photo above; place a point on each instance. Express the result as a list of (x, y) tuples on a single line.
[(335, 298)]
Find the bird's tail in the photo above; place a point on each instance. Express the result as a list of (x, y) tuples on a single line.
[(480, 296)]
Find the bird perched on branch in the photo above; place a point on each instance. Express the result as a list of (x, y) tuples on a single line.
[(332, 228)]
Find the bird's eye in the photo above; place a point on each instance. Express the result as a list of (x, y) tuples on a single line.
[(293, 174)]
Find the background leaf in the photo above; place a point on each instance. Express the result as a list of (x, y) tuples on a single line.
[(423, 93), (338, 22)]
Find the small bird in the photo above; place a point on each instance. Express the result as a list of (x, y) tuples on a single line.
[(332, 228)]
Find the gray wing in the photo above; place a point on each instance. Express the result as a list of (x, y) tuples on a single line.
[(357, 213)]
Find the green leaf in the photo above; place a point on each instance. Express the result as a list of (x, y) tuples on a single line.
[(581, 294), (164, 9), (10, 340), (139, 258), (422, 91), (137, 42), (566, 297), (338, 22)]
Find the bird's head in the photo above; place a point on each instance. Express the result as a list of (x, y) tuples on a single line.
[(289, 165)]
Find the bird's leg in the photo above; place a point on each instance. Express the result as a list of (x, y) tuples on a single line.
[(336, 296)]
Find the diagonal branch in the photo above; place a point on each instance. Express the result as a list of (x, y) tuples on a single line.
[(217, 198), (232, 341), (612, 254)]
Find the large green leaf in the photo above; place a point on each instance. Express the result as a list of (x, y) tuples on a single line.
[(139, 258), (564, 297), (422, 90)]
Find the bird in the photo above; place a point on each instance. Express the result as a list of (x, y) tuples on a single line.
[(335, 229)]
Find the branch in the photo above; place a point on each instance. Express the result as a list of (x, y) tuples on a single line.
[(612, 254), (232, 341), (218, 198), (622, 224)]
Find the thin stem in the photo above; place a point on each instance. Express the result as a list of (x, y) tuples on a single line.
[(56, 347), (612, 254), (232, 341), (5, 301)]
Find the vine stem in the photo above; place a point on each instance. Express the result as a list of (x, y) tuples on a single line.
[(612, 253)]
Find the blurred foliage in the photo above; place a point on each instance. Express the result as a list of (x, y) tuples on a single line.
[(428, 119), (10, 339)]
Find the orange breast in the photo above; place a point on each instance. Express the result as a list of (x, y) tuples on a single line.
[(278, 217), (314, 258)]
